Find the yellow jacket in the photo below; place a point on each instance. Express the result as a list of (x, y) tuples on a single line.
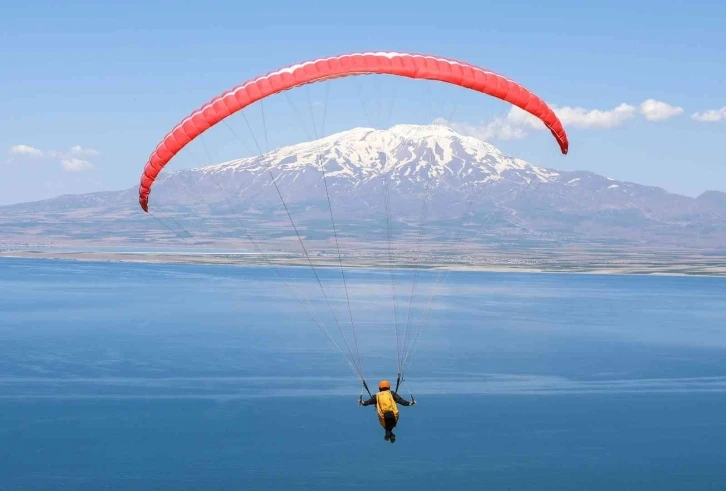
[(386, 401)]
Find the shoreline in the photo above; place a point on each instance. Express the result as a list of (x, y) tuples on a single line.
[(518, 264)]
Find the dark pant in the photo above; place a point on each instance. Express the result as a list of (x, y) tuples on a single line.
[(389, 421)]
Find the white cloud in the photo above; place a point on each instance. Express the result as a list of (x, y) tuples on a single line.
[(513, 126), (521, 118), (578, 117), (75, 159), (499, 129), (76, 165), (85, 152), (518, 123), (654, 110), (25, 150), (711, 116)]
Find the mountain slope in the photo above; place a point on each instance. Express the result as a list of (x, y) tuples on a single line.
[(429, 178)]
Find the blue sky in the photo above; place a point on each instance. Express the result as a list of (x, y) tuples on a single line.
[(88, 88)]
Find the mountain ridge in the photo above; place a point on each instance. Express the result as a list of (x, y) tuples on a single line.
[(369, 176)]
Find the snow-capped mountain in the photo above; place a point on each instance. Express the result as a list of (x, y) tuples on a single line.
[(408, 174), (409, 162), (404, 152)]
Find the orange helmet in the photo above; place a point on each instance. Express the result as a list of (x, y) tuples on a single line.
[(384, 385)]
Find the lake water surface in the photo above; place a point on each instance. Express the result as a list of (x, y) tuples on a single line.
[(134, 376)]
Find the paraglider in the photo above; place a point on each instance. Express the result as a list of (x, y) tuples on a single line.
[(412, 66), (385, 400)]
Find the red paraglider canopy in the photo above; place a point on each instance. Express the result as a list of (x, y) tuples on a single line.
[(401, 64)]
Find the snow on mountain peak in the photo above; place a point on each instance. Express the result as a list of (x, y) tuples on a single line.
[(404, 151), (416, 131)]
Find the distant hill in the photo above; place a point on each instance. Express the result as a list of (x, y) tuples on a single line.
[(433, 175)]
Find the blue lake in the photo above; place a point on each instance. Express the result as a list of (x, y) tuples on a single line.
[(134, 376)]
